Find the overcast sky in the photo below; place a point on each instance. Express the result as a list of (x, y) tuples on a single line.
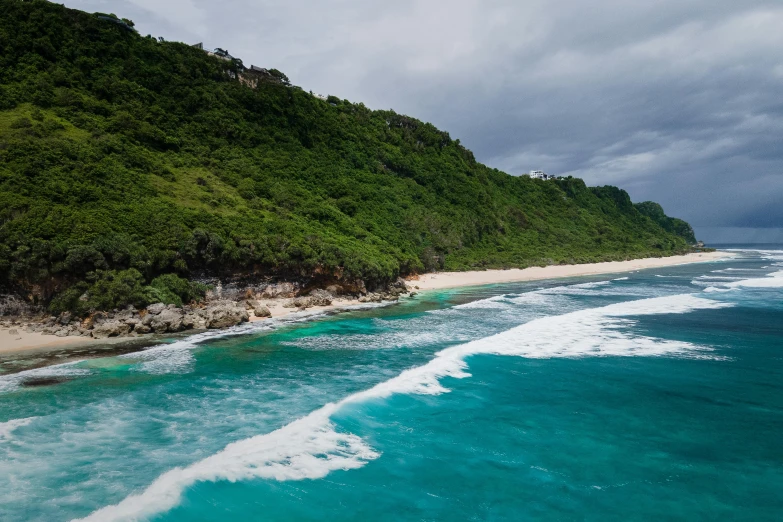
[(677, 101)]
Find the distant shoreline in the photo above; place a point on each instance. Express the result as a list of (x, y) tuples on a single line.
[(445, 280), (25, 342)]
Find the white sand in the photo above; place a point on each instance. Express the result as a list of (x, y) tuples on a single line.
[(442, 280), (24, 341)]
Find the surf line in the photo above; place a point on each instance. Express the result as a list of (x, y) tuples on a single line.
[(311, 447)]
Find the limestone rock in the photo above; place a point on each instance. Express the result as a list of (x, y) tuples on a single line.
[(111, 328), (168, 320), (142, 329), (284, 289), (223, 314), (320, 298), (262, 311), (155, 309), (299, 302), (64, 332), (194, 318)]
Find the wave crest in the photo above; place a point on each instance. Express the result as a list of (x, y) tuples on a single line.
[(310, 447)]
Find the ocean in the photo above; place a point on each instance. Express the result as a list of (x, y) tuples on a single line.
[(652, 395)]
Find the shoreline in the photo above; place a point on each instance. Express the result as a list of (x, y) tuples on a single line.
[(23, 342), (445, 280)]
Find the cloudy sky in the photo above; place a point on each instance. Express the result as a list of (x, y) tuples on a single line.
[(678, 101)]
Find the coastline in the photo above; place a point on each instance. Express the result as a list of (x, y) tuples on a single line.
[(444, 280), (26, 342)]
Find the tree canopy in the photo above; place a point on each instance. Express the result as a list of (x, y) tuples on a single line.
[(129, 158)]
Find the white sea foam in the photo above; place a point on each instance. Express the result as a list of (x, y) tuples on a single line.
[(773, 280), (13, 381), (177, 357), (174, 357), (737, 270), (310, 447), (7, 428), (621, 279), (496, 302)]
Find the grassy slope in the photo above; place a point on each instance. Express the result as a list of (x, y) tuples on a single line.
[(123, 152)]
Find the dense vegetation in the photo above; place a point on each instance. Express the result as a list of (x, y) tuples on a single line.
[(676, 226), (124, 159)]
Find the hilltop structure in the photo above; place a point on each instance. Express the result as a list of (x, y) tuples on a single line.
[(540, 174)]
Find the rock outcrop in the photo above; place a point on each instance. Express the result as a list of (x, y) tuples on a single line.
[(110, 328), (261, 311), (223, 314), (160, 318)]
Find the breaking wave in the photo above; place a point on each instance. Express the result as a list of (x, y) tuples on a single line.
[(7, 428), (311, 447), (773, 280), (59, 371)]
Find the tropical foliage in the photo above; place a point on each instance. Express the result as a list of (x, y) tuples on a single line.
[(125, 159)]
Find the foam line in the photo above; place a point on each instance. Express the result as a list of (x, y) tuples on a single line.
[(12, 381), (7, 428), (310, 447), (773, 280)]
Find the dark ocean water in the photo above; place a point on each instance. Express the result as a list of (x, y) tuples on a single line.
[(654, 395)]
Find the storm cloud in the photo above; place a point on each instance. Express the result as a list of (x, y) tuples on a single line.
[(675, 101)]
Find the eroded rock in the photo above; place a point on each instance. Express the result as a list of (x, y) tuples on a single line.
[(168, 320), (262, 311), (223, 314), (110, 328), (155, 309)]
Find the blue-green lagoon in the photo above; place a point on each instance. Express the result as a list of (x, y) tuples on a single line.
[(654, 395)]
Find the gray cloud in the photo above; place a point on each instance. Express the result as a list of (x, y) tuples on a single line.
[(675, 100)]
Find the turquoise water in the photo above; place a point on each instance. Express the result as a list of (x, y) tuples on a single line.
[(655, 395)]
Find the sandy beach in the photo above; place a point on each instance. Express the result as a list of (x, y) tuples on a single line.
[(21, 341), (24, 341), (441, 280)]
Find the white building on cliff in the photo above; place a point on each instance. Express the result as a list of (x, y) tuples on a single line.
[(540, 174)]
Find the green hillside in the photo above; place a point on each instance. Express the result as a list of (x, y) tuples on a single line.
[(676, 226), (124, 158)]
